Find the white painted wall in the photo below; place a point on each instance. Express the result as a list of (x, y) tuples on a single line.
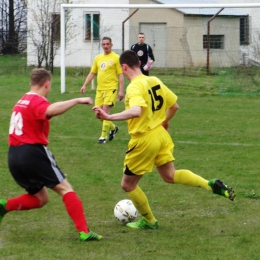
[(78, 51)]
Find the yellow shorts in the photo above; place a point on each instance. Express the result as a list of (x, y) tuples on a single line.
[(106, 97), (149, 149)]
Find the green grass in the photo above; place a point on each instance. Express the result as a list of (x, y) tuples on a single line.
[(215, 136)]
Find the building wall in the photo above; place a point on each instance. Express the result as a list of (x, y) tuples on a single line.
[(183, 44), (173, 21), (249, 53), (79, 52), (227, 26)]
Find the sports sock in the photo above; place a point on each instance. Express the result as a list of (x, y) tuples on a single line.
[(189, 178), (111, 126), (23, 202), (105, 128), (141, 203), (75, 210)]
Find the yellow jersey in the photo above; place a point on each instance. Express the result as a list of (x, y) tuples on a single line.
[(107, 68), (154, 98)]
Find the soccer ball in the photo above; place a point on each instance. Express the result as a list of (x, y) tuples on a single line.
[(125, 211)]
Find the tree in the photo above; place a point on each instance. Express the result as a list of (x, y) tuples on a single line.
[(44, 30), (13, 22)]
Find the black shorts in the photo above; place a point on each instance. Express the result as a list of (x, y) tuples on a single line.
[(33, 167)]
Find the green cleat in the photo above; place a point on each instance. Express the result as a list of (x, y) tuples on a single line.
[(221, 189), (89, 236), (3, 210), (142, 224)]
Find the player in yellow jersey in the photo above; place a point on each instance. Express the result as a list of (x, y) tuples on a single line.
[(149, 105), (109, 73)]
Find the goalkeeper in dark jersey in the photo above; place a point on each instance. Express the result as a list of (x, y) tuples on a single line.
[(145, 54)]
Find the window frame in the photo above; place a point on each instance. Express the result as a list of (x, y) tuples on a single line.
[(55, 27), (88, 26), (244, 30), (216, 41)]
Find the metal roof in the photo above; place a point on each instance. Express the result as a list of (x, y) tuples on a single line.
[(202, 11)]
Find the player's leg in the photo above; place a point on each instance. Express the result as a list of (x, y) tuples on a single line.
[(74, 208), (139, 199), (137, 162), (99, 101), (56, 180), (23, 202), (23, 162), (186, 177), (105, 123), (109, 128)]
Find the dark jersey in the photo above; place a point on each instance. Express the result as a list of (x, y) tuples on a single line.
[(143, 51)]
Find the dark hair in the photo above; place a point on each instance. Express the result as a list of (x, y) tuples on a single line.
[(107, 38), (130, 58), (39, 77)]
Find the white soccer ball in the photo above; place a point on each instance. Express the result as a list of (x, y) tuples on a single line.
[(125, 211)]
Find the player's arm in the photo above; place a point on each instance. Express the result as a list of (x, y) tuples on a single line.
[(150, 54), (132, 112), (170, 113), (150, 58), (60, 107), (89, 78), (121, 87)]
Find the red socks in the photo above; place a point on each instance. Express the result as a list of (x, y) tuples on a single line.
[(75, 210), (72, 203), (23, 202)]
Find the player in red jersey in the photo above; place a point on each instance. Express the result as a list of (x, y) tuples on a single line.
[(30, 162)]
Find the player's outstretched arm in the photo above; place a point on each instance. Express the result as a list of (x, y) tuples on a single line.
[(132, 112), (59, 108)]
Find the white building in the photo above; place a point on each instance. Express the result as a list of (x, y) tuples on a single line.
[(179, 37)]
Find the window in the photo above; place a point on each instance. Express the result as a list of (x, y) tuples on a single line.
[(244, 30), (55, 27), (214, 41), (92, 22)]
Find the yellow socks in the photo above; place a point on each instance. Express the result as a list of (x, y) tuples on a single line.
[(141, 203), (189, 178), (106, 127)]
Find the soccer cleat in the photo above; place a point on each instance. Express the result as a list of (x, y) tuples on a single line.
[(3, 210), (112, 133), (102, 141), (221, 189), (142, 224), (89, 236)]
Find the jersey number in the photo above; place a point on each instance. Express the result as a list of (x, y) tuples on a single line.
[(155, 97), (16, 124)]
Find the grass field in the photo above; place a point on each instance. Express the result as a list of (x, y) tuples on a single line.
[(215, 136)]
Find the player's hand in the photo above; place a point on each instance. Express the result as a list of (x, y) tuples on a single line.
[(146, 67), (100, 113), (86, 100), (165, 124), (82, 90), (120, 96)]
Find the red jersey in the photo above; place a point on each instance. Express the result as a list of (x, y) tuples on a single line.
[(29, 124)]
